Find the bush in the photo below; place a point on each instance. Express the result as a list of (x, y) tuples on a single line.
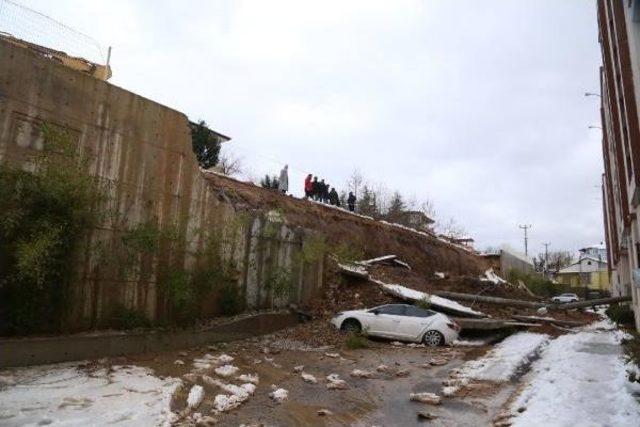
[(356, 341), (537, 283), (622, 314), (45, 218), (126, 318)]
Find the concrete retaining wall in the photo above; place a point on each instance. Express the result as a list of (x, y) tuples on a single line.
[(142, 152)]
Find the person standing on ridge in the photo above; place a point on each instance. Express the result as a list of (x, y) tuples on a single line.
[(308, 187), (283, 180), (315, 188), (334, 199), (351, 201)]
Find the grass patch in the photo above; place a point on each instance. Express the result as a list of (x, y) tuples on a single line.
[(357, 340)]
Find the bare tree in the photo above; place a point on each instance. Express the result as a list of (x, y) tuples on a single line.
[(355, 181), (230, 165), (451, 229)]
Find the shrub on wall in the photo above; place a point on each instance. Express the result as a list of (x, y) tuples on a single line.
[(45, 217)]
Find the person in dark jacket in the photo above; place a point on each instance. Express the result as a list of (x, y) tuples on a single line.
[(324, 192), (351, 202), (334, 199), (315, 188), (308, 186)]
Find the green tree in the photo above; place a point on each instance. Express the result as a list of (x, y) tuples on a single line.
[(367, 205), (205, 144), (269, 182), (397, 206)]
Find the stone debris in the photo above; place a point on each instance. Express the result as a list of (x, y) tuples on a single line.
[(332, 355), (183, 354), (382, 368), (298, 369), (324, 412), (257, 361), (428, 398), (402, 373), (361, 373), (414, 345), (225, 402), (203, 421), (196, 396), (336, 383), (279, 394), (426, 415), (397, 344), (438, 361), (226, 370), (249, 378), (179, 362), (191, 377), (308, 378)]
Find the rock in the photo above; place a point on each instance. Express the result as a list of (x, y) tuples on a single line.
[(192, 378), (279, 395), (397, 344), (426, 415), (226, 370), (324, 412), (308, 378), (438, 361), (335, 383), (360, 373), (249, 378), (428, 398), (332, 355), (382, 368), (206, 421), (183, 354), (402, 373), (298, 369), (542, 310), (179, 362)]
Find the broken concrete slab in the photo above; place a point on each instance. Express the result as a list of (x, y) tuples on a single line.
[(435, 302), (354, 270)]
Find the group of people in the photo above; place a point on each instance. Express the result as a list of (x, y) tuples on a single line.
[(319, 191)]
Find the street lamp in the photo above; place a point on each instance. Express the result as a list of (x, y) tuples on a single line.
[(592, 94)]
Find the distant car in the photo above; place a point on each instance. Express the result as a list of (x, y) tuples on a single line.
[(565, 298), (401, 322)]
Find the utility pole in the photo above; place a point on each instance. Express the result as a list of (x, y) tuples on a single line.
[(546, 258), (526, 238)]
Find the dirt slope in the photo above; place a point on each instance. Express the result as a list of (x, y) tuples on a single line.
[(424, 253)]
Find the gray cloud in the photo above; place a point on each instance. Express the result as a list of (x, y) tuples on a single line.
[(477, 106)]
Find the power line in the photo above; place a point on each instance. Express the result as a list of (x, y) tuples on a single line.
[(526, 238)]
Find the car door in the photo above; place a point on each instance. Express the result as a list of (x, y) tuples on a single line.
[(386, 321), (414, 322)]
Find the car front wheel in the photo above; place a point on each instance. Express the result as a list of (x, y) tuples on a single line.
[(351, 325), (433, 338)]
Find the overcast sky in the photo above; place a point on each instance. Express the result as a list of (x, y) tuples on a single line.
[(478, 106)]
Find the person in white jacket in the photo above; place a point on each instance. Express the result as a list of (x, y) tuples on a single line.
[(283, 181)]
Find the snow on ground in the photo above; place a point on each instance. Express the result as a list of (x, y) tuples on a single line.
[(500, 364), (71, 394), (580, 379), (504, 360)]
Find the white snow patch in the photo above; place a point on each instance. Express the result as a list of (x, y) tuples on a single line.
[(501, 363), (580, 379), (196, 396), (226, 370), (68, 394), (439, 275), (504, 360), (491, 276)]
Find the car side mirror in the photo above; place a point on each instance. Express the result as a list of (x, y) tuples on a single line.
[(376, 312)]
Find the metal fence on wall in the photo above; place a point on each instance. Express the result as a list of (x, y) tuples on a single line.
[(32, 26)]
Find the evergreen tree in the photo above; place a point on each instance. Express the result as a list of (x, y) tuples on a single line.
[(269, 182), (366, 205), (206, 145), (396, 208)]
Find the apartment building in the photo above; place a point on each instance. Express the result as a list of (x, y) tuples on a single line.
[(619, 36)]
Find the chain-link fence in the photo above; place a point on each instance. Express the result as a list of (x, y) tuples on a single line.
[(29, 25)]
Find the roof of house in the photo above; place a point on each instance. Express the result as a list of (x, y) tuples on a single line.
[(577, 268)]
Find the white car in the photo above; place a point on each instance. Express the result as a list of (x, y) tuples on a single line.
[(564, 298), (400, 322)]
